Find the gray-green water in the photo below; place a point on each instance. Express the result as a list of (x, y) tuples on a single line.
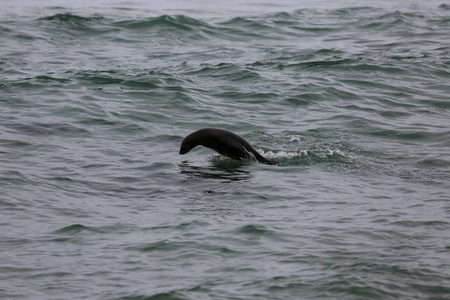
[(350, 98)]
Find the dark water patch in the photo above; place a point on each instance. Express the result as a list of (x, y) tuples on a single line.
[(25, 37), (140, 116), (227, 71), (401, 134), (340, 93), (279, 284), (13, 242), (371, 67), (101, 79), (375, 163), (286, 57), (76, 229), (98, 122), (5, 269), (444, 7), (156, 166), (213, 211), (15, 144), (440, 104), (358, 288), (179, 22), (393, 114), (51, 274), (48, 129), (395, 100), (249, 97), (317, 64), (223, 169), (5, 30), (8, 206), (199, 248), (258, 28), (72, 24), (405, 277), (95, 166), (190, 225), (440, 225), (130, 128), (183, 227), (139, 85), (126, 179), (246, 22), (72, 110), (9, 177), (252, 229), (175, 28), (60, 179), (432, 162), (33, 85), (393, 20), (256, 231), (266, 65), (131, 80), (49, 78), (351, 12), (335, 287), (305, 99), (69, 29), (71, 18), (170, 295)]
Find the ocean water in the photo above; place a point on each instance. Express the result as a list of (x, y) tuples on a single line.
[(350, 98)]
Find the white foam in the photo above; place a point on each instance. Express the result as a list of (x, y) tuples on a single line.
[(302, 153), (295, 138), (331, 152), (283, 154)]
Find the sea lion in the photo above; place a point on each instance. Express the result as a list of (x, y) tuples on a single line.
[(224, 142)]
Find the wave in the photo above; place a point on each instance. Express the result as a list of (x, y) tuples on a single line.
[(280, 26), (71, 18), (46, 129), (179, 22)]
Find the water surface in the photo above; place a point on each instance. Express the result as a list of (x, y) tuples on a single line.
[(350, 98)]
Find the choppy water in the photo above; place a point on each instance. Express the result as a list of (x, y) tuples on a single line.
[(350, 98)]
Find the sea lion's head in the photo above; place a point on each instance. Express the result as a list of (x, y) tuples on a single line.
[(186, 145)]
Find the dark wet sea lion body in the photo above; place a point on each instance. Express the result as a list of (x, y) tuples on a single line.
[(224, 142)]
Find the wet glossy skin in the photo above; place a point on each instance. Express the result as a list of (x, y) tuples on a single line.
[(224, 142)]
